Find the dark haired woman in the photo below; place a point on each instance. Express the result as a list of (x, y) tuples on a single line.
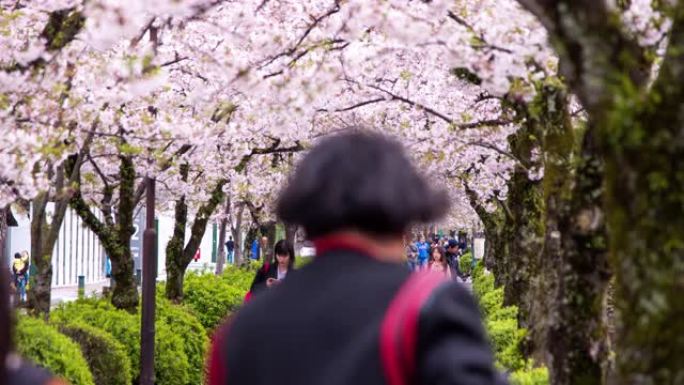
[(271, 274), (14, 370), (355, 314), (438, 261)]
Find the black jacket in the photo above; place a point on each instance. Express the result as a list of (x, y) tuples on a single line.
[(452, 260), (266, 271), (322, 326)]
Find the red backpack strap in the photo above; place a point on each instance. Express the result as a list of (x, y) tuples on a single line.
[(399, 328)]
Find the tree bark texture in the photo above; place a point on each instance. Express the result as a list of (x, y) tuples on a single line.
[(637, 128), (115, 236), (221, 260), (178, 253)]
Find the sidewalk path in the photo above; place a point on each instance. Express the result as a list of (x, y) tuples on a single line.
[(70, 293)]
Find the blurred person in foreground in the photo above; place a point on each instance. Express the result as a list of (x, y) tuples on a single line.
[(13, 369), (356, 315)]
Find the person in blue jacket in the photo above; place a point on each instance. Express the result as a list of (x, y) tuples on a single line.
[(423, 252), (255, 249)]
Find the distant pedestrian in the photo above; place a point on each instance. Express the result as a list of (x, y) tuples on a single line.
[(272, 274), (230, 247), (453, 255), (438, 261), (411, 255), (255, 249), (19, 270), (423, 252)]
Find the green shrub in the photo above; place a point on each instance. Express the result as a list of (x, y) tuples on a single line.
[(491, 302), (478, 270), (508, 312), (530, 376), (124, 327), (106, 357), (47, 347), (238, 277), (505, 337), (171, 362), (211, 298), (182, 322), (483, 284), (465, 263), (302, 261)]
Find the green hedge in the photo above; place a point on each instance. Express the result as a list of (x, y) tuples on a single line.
[(530, 375), (212, 297), (47, 347), (502, 328), (465, 263), (182, 322), (171, 362), (106, 357)]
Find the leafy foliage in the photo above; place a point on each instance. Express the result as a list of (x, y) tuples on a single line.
[(212, 297), (106, 357), (182, 322), (465, 263), (47, 347), (502, 328), (171, 363)]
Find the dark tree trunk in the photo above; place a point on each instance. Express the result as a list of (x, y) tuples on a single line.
[(290, 234), (220, 262), (576, 336), (645, 211), (570, 292), (178, 257), (175, 272), (44, 235), (116, 236), (268, 231), (237, 235)]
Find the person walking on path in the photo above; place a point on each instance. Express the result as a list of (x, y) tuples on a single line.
[(355, 314), (272, 274), (255, 249), (423, 252), (230, 248), (438, 261), (412, 256), (453, 254), (19, 270)]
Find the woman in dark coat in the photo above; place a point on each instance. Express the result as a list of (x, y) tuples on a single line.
[(271, 274), (355, 315)]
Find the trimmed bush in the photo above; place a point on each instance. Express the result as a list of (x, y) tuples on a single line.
[(211, 298), (465, 263), (106, 357), (483, 284), (124, 327), (47, 347), (478, 270), (491, 302), (530, 376), (238, 277), (171, 362), (182, 322), (508, 312)]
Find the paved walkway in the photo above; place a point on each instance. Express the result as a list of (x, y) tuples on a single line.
[(70, 293)]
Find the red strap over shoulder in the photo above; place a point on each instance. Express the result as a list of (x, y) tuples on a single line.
[(399, 328)]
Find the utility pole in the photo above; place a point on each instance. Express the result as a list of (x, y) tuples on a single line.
[(149, 285)]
